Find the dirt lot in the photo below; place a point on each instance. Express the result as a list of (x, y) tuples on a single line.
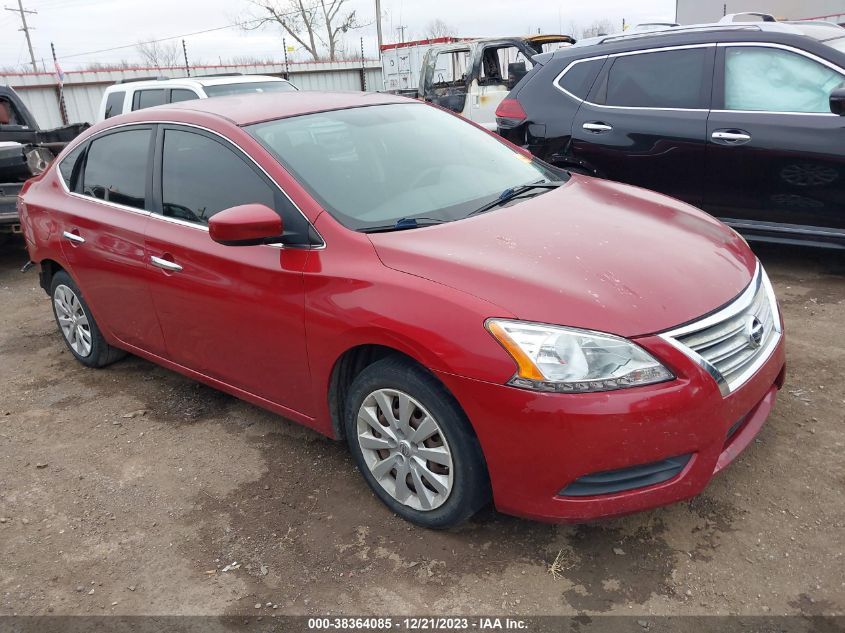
[(133, 490)]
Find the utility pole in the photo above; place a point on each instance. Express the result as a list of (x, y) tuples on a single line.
[(185, 53), (401, 30), (25, 30), (378, 26)]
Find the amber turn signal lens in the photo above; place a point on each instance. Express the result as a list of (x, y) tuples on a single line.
[(527, 369)]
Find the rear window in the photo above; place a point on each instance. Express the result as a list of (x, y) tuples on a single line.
[(666, 79), (246, 87), (181, 94), (114, 103), (580, 77), (147, 99)]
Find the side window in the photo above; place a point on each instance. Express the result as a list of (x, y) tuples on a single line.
[(114, 103), (496, 64), (762, 78), (450, 68), (579, 79), (201, 177), (182, 94), (147, 98), (666, 79), (116, 168), (9, 114), (70, 166)]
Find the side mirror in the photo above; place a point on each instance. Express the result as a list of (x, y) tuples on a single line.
[(246, 225), (837, 101), (516, 71)]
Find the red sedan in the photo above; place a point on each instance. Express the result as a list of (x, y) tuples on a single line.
[(472, 321)]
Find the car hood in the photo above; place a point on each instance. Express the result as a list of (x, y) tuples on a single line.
[(591, 254)]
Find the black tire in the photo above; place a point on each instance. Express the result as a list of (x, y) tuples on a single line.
[(470, 483), (101, 353)]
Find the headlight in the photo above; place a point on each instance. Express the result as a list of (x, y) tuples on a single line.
[(553, 358)]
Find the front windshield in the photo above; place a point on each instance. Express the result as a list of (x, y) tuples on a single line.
[(371, 166), (221, 90)]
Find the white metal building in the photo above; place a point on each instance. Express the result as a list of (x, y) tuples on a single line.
[(698, 11), (83, 90)]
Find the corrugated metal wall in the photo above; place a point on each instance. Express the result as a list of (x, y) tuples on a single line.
[(83, 90)]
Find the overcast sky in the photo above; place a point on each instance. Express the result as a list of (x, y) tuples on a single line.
[(78, 28)]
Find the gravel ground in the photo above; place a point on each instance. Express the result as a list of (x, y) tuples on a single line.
[(133, 490)]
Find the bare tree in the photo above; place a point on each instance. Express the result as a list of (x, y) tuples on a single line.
[(599, 27), (439, 28), (306, 21), (159, 54)]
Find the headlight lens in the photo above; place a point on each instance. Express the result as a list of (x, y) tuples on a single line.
[(554, 358)]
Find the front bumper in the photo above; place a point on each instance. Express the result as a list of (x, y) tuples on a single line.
[(8, 205), (537, 444)]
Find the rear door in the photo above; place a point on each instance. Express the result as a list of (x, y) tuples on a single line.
[(234, 314), (101, 221), (645, 120), (775, 153)]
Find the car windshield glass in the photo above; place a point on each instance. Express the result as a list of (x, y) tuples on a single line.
[(372, 166), (248, 86)]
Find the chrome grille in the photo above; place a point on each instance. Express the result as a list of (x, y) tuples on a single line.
[(734, 342)]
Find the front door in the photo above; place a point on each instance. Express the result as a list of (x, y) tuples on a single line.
[(102, 224), (498, 68), (645, 119), (232, 313), (775, 150)]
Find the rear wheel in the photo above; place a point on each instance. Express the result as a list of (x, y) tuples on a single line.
[(77, 325), (414, 445)]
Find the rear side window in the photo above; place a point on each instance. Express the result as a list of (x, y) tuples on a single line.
[(116, 168), (114, 103), (666, 79), (580, 77), (70, 166), (147, 99), (201, 177), (181, 94)]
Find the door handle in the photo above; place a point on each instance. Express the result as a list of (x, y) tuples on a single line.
[(597, 127), (737, 136), (73, 237), (165, 264)]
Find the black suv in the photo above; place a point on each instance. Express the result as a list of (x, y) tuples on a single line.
[(740, 120)]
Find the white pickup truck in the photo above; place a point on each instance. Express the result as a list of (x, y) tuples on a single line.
[(468, 76)]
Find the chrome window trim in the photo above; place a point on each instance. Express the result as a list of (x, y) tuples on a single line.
[(738, 305), (791, 49), (201, 227), (556, 81)]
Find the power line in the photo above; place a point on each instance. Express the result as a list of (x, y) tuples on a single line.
[(25, 29)]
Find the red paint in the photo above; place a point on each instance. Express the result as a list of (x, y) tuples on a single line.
[(268, 324), (245, 223)]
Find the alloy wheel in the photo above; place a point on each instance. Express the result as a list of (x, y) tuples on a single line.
[(405, 449), (72, 320)]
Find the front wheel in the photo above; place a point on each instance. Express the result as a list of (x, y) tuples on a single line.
[(77, 325), (414, 445)]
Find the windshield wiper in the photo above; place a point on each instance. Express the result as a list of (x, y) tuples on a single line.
[(514, 192), (403, 224)]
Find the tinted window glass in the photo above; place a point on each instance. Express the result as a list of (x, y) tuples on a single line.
[(579, 79), (114, 104), (180, 94), (68, 167), (147, 99), (758, 78), (116, 168), (252, 86), (201, 177), (669, 79)]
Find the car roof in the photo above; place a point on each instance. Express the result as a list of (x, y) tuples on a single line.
[(245, 109), (700, 34), (194, 82)]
